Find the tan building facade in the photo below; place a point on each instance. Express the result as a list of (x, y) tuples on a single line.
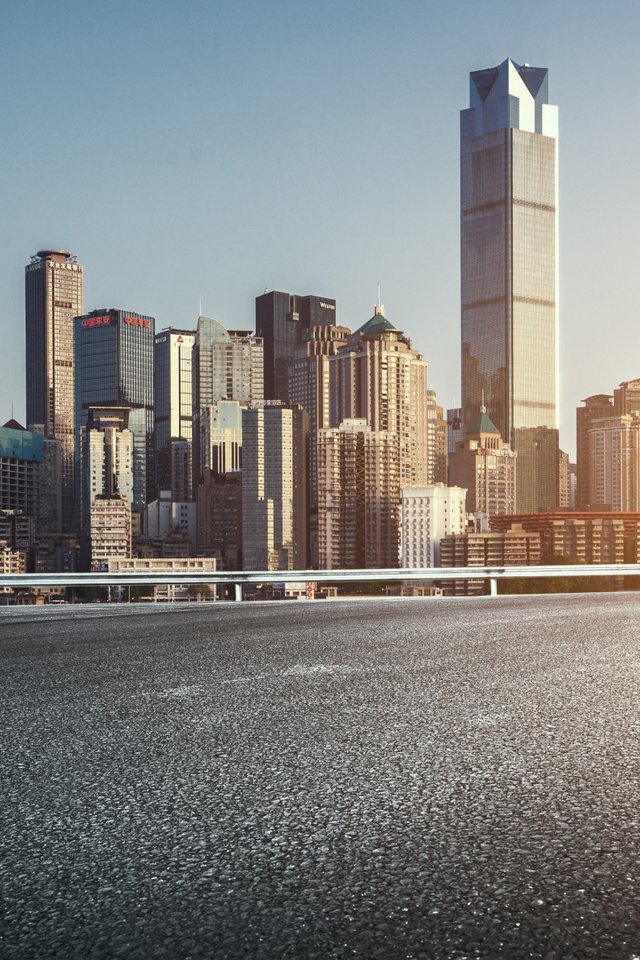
[(614, 463), (486, 467), (585, 537), (513, 547), (54, 296), (358, 497), (437, 441), (309, 386), (274, 488), (379, 378), (110, 530)]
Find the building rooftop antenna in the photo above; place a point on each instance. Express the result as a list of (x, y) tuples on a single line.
[(379, 307)]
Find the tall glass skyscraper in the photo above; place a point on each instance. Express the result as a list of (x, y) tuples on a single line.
[(114, 367), (509, 251)]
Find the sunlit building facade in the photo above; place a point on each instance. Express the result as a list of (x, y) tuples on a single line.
[(53, 297), (114, 367), (358, 497), (227, 365), (173, 391), (509, 261)]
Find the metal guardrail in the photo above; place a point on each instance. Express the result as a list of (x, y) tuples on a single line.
[(238, 578)]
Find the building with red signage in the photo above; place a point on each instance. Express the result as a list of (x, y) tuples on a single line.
[(114, 367)]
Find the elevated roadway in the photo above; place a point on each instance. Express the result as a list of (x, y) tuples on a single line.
[(377, 780)]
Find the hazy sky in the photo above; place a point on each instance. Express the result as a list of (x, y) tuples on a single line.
[(214, 149)]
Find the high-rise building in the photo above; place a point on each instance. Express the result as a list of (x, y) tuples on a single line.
[(626, 398), (614, 463), (166, 516), (227, 365), (53, 288), (173, 392), (309, 386), (106, 460), (378, 377), (220, 518), (274, 488), (114, 368), (595, 408), (437, 449), (429, 514), (455, 430), (486, 467), (509, 269), (281, 321), (21, 459), (358, 497)]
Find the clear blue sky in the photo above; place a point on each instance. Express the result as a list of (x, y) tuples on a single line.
[(214, 149)]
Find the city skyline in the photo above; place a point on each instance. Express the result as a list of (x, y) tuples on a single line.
[(366, 191)]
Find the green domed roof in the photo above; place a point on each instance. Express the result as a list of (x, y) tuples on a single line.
[(377, 324), (483, 424)]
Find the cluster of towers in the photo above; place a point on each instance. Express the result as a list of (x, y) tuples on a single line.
[(298, 442)]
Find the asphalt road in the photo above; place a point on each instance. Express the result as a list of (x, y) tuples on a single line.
[(420, 779)]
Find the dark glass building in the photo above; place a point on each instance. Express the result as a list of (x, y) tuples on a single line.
[(281, 321), (114, 367)]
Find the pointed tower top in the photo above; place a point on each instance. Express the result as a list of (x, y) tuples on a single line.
[(379, 308)]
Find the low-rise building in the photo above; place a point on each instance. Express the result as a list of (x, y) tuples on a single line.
[(584, 537), (171, 592), (428, 515), (513, 547)]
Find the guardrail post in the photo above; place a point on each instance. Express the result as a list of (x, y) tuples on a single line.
[(238, 592), (493, 587)]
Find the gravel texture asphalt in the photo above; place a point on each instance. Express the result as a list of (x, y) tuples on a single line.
[(418, 779)]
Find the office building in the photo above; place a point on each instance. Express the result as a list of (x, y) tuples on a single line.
[(227, 365), (486, 467), (509, 269), (21, 459), (282, 319), (309, 386), (595, 408), (455, 431), (566, 483), (614, 463), (437, 441), (379, 378), (106, 449), (275, 515), (53, 297), (166, 516), (428, 514), (220, 518), (605, 463), (173, 419), (114, 367), (358, 497)]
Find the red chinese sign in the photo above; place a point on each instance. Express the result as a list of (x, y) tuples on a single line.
[(138, 322)]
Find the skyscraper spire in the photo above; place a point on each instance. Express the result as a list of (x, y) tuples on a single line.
[(379, 308)]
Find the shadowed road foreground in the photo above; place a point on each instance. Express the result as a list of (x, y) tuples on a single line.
[(424, 779)]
